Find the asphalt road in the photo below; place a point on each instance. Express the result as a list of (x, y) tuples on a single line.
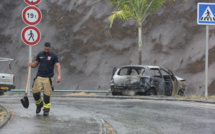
[(111, 116)]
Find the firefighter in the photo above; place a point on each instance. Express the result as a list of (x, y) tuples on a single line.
[(44, 78)]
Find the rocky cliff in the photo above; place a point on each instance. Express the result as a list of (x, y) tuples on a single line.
[(88, 50)]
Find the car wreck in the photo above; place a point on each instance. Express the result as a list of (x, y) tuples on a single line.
[(145, 80)]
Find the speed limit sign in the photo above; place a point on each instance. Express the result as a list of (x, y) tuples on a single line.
[(31, 15)]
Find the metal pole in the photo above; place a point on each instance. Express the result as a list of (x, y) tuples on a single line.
[(206, 62), (29, 85)]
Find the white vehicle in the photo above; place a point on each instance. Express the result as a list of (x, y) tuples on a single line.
[(7, 78)]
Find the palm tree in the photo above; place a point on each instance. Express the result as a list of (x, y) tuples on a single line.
[(138, 10)]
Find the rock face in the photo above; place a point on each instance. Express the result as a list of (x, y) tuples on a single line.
[(88, 50)]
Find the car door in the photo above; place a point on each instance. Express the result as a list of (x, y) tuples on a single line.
[(168, 83), (158, 81)]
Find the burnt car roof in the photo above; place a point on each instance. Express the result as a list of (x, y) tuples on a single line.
[(134, 66)]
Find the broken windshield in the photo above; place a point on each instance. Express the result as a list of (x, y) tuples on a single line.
[(131, 71)]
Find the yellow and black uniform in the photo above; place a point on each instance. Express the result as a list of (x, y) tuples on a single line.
[(44, 80)]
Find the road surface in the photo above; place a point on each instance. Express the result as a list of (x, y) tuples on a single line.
[(70, 115)]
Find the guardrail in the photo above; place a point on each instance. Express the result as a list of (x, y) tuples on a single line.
[(73, 91)]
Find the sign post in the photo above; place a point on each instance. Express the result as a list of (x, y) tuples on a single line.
[(206, 61), (205, 16), (30, 35)]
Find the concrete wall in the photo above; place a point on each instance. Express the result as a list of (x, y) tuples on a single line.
[(88, 49)]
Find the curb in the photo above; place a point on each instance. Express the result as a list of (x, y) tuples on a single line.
[(143, 98), (163, 98), (7, 118)]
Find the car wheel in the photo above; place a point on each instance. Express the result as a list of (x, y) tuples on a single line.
[(114, 93), (181, 92), (151, 91)]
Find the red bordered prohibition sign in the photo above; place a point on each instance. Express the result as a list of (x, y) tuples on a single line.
[(31, 15), (30, 35), (32, 2)]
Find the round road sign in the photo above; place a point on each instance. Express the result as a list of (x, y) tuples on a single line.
[(30, 35), (33, 2), (31, 15)]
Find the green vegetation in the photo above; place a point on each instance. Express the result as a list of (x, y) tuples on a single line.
[(138, 10)]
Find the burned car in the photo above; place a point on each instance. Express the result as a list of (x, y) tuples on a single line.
[(145, 80)]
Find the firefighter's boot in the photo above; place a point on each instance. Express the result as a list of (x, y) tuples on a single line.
[(47, 105), (38, 101), (39, 107), (46, 111)]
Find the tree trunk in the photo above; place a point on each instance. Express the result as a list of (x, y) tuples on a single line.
[(140, 44)]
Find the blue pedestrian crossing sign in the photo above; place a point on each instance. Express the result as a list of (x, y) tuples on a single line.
[(206, 14)]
